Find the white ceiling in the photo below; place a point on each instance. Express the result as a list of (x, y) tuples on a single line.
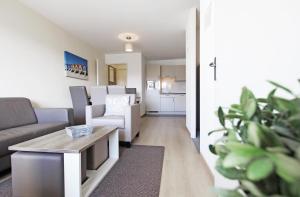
[(160, 24)]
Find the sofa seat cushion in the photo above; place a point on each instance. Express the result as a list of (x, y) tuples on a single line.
[(118, 121), (17, 135)]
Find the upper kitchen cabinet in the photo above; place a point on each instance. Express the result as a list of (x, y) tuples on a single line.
[(180, 73), (176, 72), (153, 72), (168, 71)]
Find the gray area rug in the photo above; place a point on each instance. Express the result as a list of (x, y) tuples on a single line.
[(136, 174)]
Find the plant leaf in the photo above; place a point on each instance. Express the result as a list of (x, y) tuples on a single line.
[(254, 134), (252, 189), (232, 134), (246, 94), (262, 100), (212, 149), (250, 108), (270, 138), (230, 173), (234, 160), (235, 116), (294, 120), (241, 154), (248, 103), (244, 149), (228, 193), (282, 131), (278, 150), (217, 130), (272, 93), (287, 167), (285, 105), (294, 189), (281, 87), (260, 169), (235, 108), (291, 144), (298, 153), (221, 116), (221, 150)]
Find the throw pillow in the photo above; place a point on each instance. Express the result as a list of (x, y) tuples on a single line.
[(115, 104)]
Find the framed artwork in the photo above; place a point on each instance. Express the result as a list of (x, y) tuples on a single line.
[(75, 66)]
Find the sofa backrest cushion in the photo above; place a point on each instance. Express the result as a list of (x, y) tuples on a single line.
[(16, 112)]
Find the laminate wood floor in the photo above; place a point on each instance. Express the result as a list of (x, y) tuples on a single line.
[(185, 173)]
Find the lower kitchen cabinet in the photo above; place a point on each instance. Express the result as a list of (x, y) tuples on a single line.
[(167, 104), (179, 103)]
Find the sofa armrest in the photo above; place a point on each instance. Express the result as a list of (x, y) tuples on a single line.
[(47, 115), (92, 111), (132, 120)]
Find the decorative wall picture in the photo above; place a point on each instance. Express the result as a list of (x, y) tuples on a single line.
[(75, 66)]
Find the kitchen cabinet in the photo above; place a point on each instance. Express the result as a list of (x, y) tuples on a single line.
[(167, 104), (153, 72), (180, 73), (168, 71), (179, 103), (177, 72), (172, 103)]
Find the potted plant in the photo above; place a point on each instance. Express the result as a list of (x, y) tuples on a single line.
[(260, 145)]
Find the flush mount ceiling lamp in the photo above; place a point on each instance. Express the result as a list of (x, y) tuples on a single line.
[(128, 47), (128, 38)]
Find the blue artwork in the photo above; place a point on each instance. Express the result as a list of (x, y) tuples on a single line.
[(75, 66)]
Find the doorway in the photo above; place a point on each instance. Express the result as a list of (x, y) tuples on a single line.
[(117, 74)]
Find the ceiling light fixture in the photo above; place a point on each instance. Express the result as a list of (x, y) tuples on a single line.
[(128, 38), (128, 47)]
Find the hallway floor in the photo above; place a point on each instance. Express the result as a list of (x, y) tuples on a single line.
[(185, 173)]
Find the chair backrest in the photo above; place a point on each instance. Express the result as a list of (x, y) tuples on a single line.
[(115, 89), (130, 90), (80, 101), (98, 95)]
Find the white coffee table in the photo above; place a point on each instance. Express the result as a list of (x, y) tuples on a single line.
[(60, 142)]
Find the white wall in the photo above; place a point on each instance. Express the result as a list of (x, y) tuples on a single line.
[(135, 69), (255, 41), (32, 57), (169, 62), (191, 63)]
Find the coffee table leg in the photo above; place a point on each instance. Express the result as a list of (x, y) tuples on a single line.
[(114, 145), (72, 174)]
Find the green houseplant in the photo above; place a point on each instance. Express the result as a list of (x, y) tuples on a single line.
[(260, 145)]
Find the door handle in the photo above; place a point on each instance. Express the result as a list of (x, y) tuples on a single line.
[(214, 65)]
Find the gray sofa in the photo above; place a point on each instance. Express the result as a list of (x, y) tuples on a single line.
[(19, 122)]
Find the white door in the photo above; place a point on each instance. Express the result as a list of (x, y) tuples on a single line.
[(208, 83), (253, 47), (191, 65)]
